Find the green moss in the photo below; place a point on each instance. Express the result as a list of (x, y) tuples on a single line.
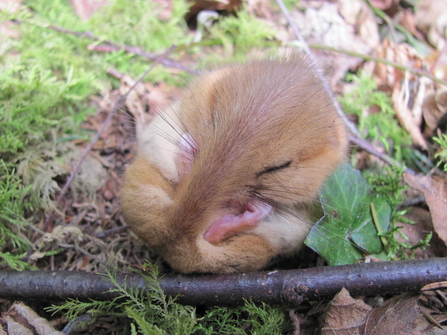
[(152, 312), (13, 244), (381, 126), (441, 155), (242, 32)]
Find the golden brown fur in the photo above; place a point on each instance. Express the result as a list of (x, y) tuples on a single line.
[(260, 135)]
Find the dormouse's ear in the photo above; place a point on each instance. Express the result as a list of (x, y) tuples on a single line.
[(235, 222), (187, 150)]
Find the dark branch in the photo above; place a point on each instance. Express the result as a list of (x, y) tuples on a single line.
[(290, 287)]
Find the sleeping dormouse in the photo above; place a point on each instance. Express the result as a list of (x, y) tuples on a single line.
[(227, 180)]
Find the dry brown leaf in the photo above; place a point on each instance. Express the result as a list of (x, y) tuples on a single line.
[(435, 108), (324, 25), (423, 86), (84, 9), (11, 6), (399, 315), (416, 232), (162, 96), (22, 320), (437, 61), (136, 101), (406, 118), (358, 14), (390, 7), (9, 29), (406, 19), (16, 328), (431, 19), (345, 315), (260, 8), (435, 191), (387, 75)]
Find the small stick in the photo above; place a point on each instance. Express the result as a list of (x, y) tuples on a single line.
[(295, 321), (109, 47), (317, 69), (382, 61), (118, 105), (114, 47), (365, 145), (285, 287)]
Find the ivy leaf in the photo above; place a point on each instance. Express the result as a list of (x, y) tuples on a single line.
[(348, 230)]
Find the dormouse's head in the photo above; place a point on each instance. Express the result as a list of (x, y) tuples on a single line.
[(250, 146)]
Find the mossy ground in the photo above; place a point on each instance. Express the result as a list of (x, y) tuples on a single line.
[(56, 90)]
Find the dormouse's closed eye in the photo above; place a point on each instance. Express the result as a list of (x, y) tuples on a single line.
[(270, 169)]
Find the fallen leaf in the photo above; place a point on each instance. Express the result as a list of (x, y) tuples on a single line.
[(358, 14), (22, 320), (389, 76), (390, 7), (416, 232), (424, 86), (136, 99), (435, 191), (345, 315), (326, 26), (398, 316), (407, 119), (434, 110), (431, 19), (406, 19), (10, 6)]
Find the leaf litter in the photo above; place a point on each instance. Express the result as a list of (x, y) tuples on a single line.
[(95, 237)]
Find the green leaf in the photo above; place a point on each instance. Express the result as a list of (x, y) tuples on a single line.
[(348, 229)]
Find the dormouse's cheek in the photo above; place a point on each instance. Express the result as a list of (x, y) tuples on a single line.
[(232, 224)]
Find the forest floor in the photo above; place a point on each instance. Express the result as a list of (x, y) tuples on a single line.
[(64, 68)]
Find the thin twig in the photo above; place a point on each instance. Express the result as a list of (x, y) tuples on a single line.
[(117, 106), (317, 70), (380, 60), (115, 47), (295, 321), (365, 145), (110, 47), (111, 231)]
